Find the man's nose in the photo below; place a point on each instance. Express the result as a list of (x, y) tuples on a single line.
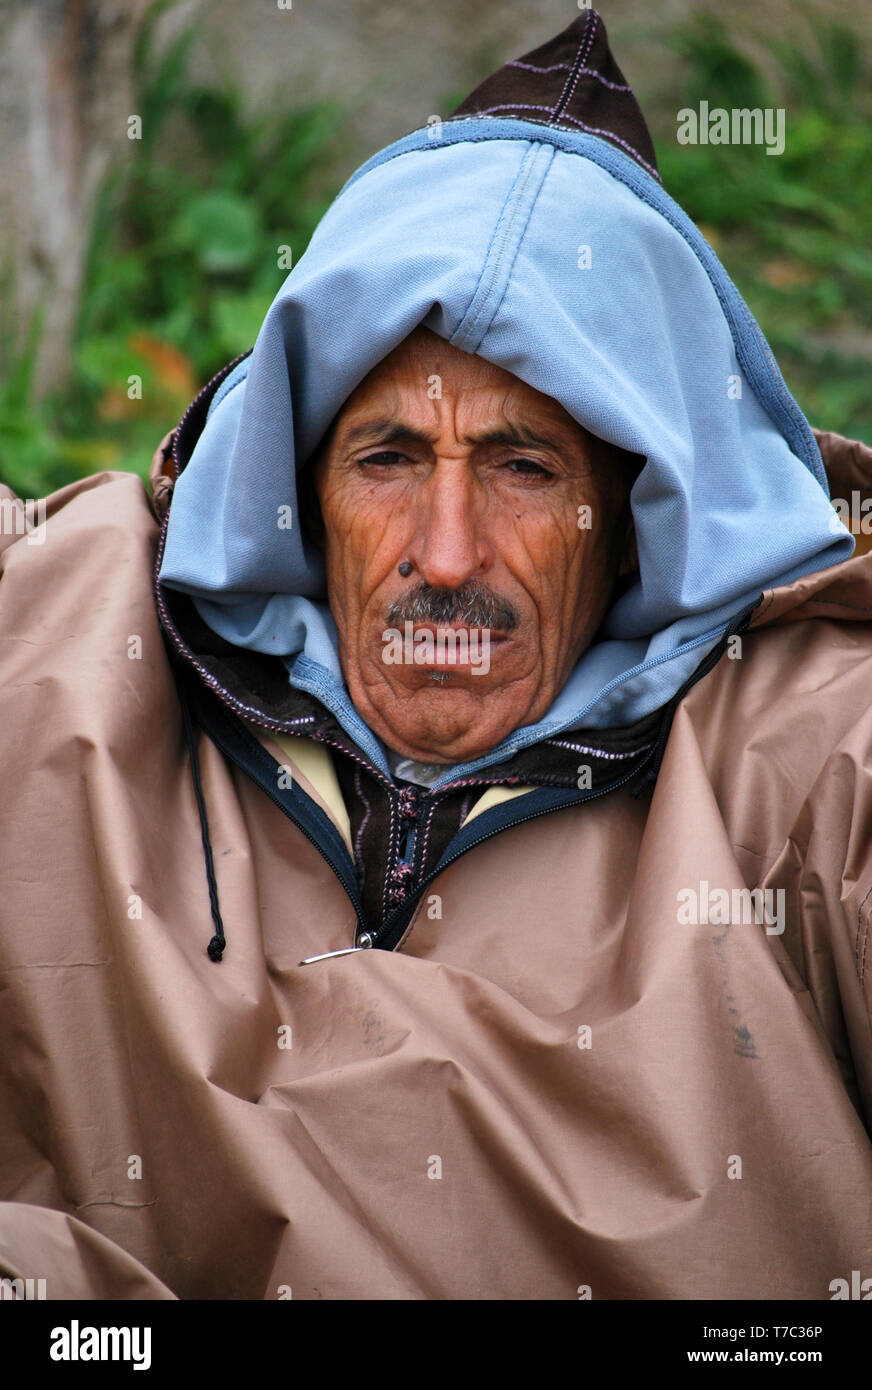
[(450, 545)]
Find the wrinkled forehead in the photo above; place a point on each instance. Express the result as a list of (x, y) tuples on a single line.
[(426, 382)]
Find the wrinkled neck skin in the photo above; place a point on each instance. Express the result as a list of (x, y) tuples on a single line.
[(494, 500)]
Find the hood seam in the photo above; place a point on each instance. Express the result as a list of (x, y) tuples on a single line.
[(585, 43), (501, 252)]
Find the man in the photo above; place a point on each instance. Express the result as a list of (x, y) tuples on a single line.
[(453, 881), (441, 479)]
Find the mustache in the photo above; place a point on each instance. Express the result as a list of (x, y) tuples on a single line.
[(471, 605)]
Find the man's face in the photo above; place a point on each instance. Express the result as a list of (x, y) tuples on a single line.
[(442, 460)]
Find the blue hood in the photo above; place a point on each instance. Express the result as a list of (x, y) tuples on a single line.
[(552, 252)]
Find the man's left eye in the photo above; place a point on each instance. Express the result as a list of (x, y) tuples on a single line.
[(527, 467)]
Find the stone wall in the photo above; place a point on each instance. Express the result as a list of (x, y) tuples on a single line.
[(395, 64)]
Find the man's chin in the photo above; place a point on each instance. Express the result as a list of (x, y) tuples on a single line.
[(441, 720)]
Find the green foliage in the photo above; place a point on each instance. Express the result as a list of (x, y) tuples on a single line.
[(183, 263), (793, 230)]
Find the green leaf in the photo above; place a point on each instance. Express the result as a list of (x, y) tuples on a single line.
[(221, 230)]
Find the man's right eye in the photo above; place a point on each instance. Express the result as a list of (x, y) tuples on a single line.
[(381, 460)]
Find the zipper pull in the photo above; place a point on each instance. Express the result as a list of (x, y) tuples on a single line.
[(363, 939)]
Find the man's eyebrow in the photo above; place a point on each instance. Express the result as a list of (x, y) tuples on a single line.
[(386, 431), (512, 435), (391, 430)]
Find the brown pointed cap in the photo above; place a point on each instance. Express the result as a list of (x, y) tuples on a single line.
[(572, 82)]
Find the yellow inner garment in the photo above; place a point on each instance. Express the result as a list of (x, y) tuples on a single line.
[(315, 764)]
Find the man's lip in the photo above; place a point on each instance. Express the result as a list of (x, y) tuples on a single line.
[(492, 634), (480, 641)]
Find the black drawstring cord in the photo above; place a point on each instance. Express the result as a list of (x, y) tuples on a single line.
[(216, 946)]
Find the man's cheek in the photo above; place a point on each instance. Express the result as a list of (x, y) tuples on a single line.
[(347, 557), (552, 546)]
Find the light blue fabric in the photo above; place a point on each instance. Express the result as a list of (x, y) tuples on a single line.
[(477, 233)]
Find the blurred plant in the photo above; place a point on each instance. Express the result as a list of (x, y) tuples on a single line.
[(182, 265), (792, 230)]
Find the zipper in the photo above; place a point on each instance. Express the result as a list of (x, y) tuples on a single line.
[(393, 929)]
